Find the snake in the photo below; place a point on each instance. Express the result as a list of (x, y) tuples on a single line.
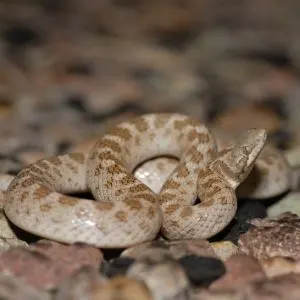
[(42, 199)]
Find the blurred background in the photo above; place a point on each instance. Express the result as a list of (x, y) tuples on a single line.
[(70, 69)]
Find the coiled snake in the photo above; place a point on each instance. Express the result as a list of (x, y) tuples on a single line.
[(126, 211)]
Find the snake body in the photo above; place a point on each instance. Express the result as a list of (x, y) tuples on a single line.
[(127, 211)]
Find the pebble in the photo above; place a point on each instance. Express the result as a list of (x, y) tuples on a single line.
[(240, 270), (291, 203), (295, 180), (224, 249), (271, 237), (6, 231), (165, 279), (117, 266), (121, 288), (198, 247), (49, 262), (244, 116), (202, 271), (29, 157), (82, 284), (286, 287), (7, 243), (12, 288), (9, 165), (157, 250), (175, 249), (278, 265), (77, 252), (113, 93), (205, 294), (293, 156), (5, 180)]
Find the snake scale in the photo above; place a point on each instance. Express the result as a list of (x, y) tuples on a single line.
[(126, 210)]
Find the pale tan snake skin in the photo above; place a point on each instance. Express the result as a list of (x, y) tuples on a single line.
[(271, 174), (127, 211)]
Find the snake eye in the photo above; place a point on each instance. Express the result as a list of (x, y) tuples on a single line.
[(242, 163), (246, 150)]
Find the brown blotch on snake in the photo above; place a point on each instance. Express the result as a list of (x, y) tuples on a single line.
[(111, 144), (141, 124), (45, 207), (65, 200), (133, 204), (41, 192), (77, 157), (104, 206), (123, 133), (122, 216)]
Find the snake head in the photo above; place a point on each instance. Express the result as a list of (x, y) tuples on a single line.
[(235, 162)]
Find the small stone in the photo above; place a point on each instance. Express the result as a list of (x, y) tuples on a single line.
[(122, 288), (74, 256), (41, 274), (2, 199), (295, 179), (49, 262), (5, 180), (6, 231), (286, 287), (165, 278), (118, 266), (276, 266), (82, 284), (7, 243), (271, 237), (224, 249), (247, 115), (205, 294), (202, 270), (198, 247), (84, 146), (293, 156), (156, 250), (12, 288), (240, 270), (291, 203), (29, 157)]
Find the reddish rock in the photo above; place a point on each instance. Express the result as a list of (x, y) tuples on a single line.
[(122, 288), (45, 264), (82, 284), (197, 247), (276, 266), (285, 287), (272, 237), (12, 288), (224, 249), (240, 270), (176, 249), (245, 116)]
